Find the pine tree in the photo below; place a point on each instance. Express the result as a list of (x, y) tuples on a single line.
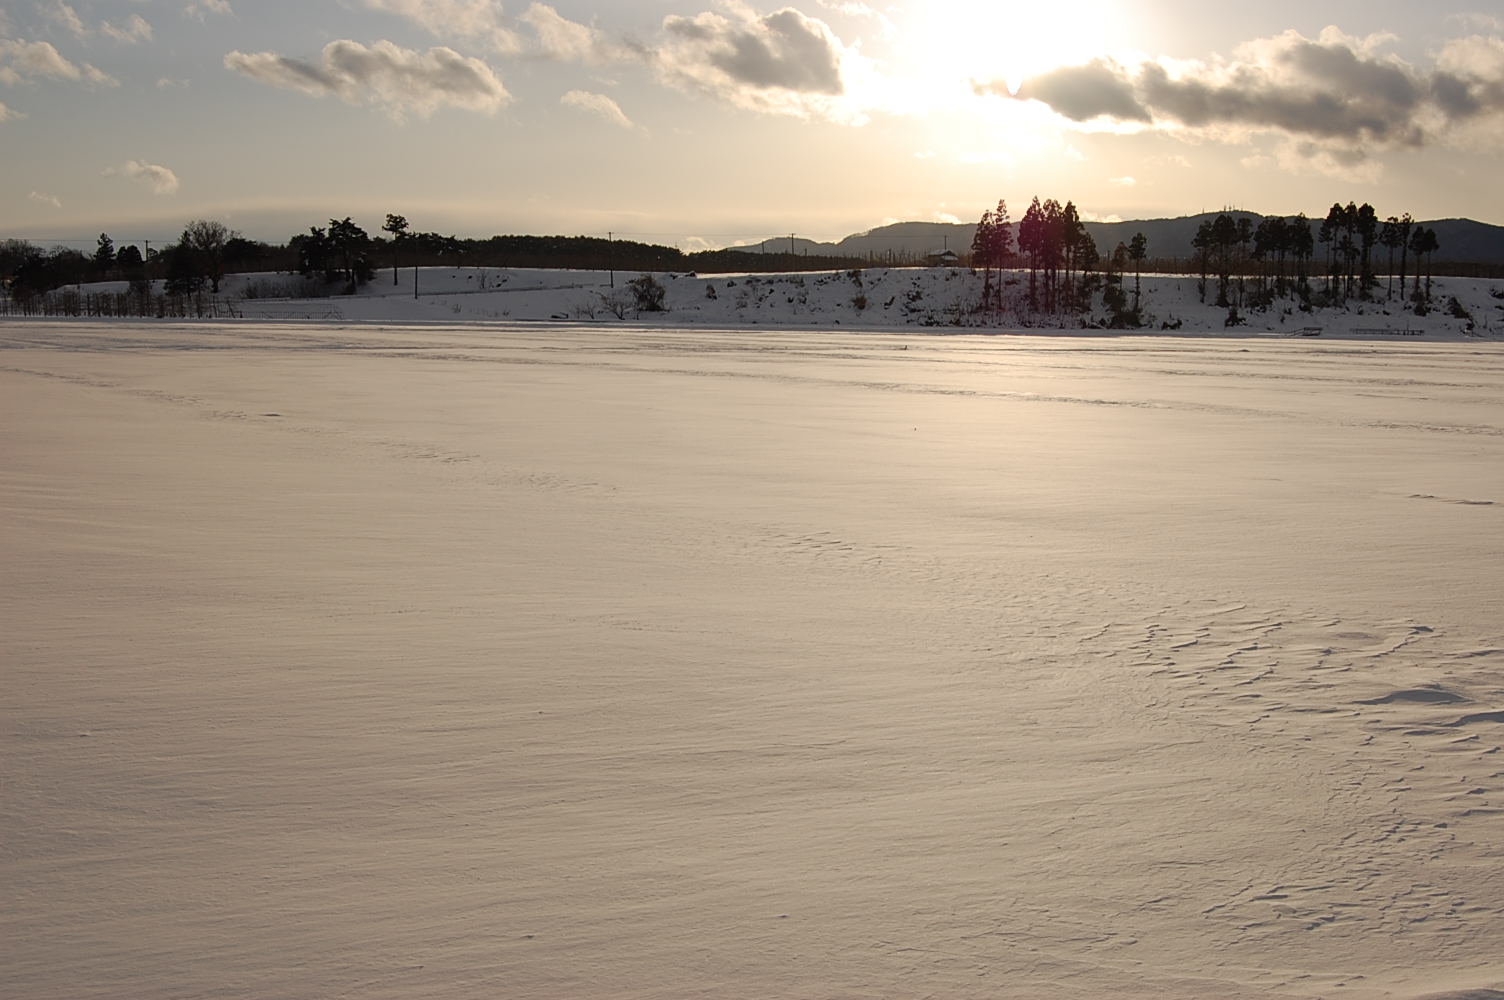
[(1031, 239), (104, 254), (397, 226), (1138, 249)]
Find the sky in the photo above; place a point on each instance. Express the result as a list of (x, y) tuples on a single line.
[(700, 123)]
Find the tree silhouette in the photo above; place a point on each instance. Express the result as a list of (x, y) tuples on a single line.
[(991, 247), (204, 240), (397, 226), (104, 254), (1031, 240), (1423, 244), (1366, 221), (1138, 249), (1389, 239), (1405, 228)]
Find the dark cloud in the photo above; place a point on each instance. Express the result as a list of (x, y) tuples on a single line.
[(1335, 94), (780, 51), (400, 80), (1099, 89)]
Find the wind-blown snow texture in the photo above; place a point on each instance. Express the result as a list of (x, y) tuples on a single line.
[(387, 661)]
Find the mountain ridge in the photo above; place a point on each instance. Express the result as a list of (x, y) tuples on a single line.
[(1462, 240)]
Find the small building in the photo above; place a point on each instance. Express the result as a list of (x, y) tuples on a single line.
[(942, 258)]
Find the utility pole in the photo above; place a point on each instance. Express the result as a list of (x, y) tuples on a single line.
[(610, 258)]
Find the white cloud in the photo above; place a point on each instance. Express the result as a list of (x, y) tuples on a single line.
[(66, 17), (478, 21), (1123, 181), (199, 8), (160, 179), (561, 38), (136, 29), (596, 104), (9, 114), (23, 60), (1479, 22), (864, 11), (99, 77), (51, 200), (386, 75)]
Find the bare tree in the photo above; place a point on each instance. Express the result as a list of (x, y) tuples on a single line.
[(206, 238)]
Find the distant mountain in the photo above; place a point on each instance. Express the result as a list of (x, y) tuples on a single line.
[(1462, 240)]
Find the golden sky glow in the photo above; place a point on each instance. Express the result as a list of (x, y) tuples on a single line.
[(705, 121)]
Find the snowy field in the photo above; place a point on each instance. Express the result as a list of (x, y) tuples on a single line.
[(586, 661), (943, 298)]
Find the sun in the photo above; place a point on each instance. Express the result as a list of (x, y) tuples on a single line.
[(992, 40)]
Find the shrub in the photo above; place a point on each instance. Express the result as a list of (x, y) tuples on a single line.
[(647, 293)]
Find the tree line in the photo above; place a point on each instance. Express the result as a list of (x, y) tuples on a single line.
[(1278, 254), (1253, 265), (344, 255)]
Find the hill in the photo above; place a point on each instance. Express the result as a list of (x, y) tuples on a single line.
[(1462, 240)]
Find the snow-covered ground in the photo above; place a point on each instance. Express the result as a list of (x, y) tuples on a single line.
[(867, 298), (577, 660)]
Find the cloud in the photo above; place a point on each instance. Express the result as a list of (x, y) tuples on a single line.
[(136, 29), (482, 22), (780, 63), (1100, 89), (478, 21), (596, 104), (1479, 22), (1123, 181), (1336, 97), (160, 179), (850, 8), (23, 60), (65, 17), (45, 199), (9, 114), (199, 8), (783, 62), (99, 77), (560, 38), (386, 75)]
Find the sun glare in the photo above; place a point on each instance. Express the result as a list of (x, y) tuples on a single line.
[(992, 40)]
